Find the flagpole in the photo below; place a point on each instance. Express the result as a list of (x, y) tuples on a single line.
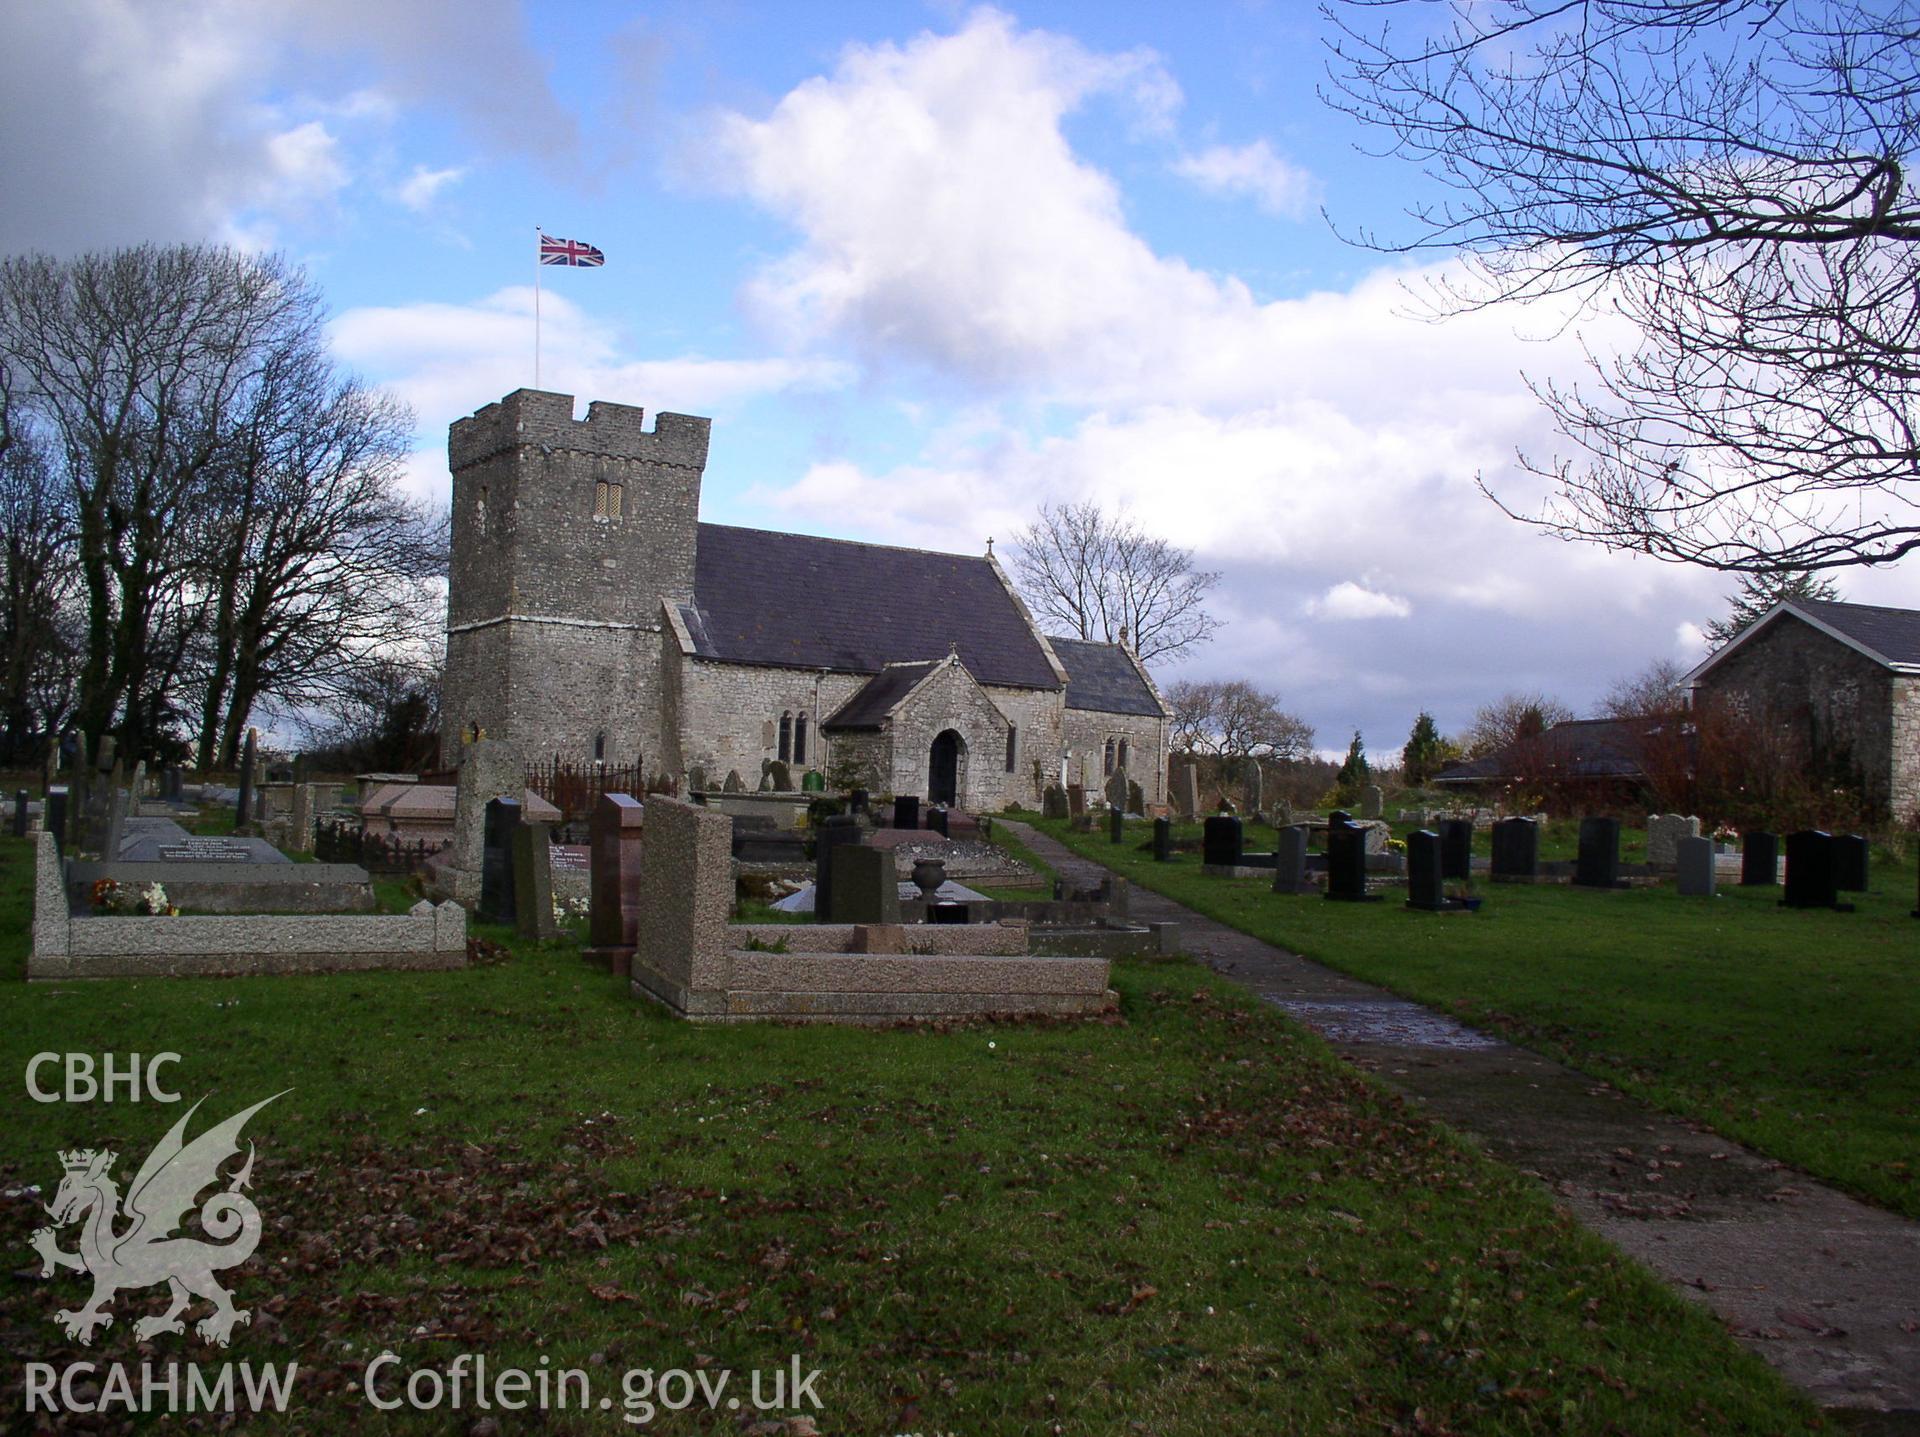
[(536, 306)]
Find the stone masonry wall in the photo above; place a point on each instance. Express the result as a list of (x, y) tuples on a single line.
[(1087, 733), (554, 610), (1835, 697), (1904, 797), (950, 699), (728, 714)]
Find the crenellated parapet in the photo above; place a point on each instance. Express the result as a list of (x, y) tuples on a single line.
[(535, 417)]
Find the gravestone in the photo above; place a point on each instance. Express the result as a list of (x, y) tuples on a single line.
[(1338, 816), (1076, 800), (300, 837), (137, 789), (496, 860), (734, 783), (696, 780), (73, 833), (1186, 790), (1759, 859), (1116, 826), (1053, 803), (1290, 861), (20, 813), (243, 801), (866, 888), (1852, 862), (834, 830), (1256, 788), (1282, 813), (1426, 886), (1598, 863), (533, 881), (1811, 879), (1516, 848), (119, 800), (1372, 801), (1456, 848), (1163, 840), (613, 878), (1220, 843), (55, 819), (1136, 799), (1347, 864), (1664, 832), (782, 776), (1693, 862), (1116, 789), (937, 821), (859, 801), (906, 813)]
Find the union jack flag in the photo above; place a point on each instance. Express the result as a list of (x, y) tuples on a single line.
[(573, 252)]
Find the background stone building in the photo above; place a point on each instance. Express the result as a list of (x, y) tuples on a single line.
[(1844, 679), (591, 616)]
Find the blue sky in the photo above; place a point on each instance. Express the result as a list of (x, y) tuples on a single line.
[(927, 266)]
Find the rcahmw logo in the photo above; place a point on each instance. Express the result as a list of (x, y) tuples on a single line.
[(145, 1251)]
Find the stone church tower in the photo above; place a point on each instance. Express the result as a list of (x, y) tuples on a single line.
[(567, 537)]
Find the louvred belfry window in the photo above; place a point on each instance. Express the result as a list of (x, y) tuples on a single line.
[(606, 500)]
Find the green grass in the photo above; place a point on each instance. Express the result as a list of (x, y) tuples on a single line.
[(1792, 1031), (1192, 1219)]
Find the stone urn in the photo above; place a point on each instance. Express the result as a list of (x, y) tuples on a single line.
[(928, 875)]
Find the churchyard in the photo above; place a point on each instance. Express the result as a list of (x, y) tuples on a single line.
[(1189, 1216), (1789, 1030)]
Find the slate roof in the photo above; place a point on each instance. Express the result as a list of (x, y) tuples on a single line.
[(1893, 634), (871, 703), (1578, 748), (1103, 678), (804, 602)]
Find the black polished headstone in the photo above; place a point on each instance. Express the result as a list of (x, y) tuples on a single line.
[(1516, 848), (906, 811), (496, 860), (937, 821), (833, 831), (1598, 863), (55, 818), (1220, 842), (243, 800), (1811, 880), (1163, 840), (1347, 863), (1456, 848), (1116, 826), (1759, 859), (1338, 816), (1852, 862), (1425, 882), (20, 813)]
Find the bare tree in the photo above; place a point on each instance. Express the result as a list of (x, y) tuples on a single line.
[(1102, 577), (384, 714), (238, 531), (1731, 176), (37, 655), (1656, 689), (1233, 719), (1509, 719)]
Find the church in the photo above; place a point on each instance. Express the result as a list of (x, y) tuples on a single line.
[(591, 617)]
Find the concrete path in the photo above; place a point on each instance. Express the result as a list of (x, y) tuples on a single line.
[(1827, 1289)]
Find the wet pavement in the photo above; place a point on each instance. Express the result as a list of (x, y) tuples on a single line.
[(1824, 1287)]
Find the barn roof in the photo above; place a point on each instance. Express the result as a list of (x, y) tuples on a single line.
[(798, 601), (1887, 636)]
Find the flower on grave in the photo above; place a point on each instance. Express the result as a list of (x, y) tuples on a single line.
[(1726, 833), (153, 899)]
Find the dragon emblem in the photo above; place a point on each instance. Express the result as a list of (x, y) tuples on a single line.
[(145, 1251)]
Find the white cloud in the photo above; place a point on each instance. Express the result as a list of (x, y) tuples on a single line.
[(446, 360), (1348, 600), (418, 190), (1254, 171), (131, 120)]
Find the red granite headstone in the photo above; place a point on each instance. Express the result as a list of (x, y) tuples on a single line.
[(613, 882)]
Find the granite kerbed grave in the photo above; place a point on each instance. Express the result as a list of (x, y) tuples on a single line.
[(223, 875), (691, 959), (67, 946)]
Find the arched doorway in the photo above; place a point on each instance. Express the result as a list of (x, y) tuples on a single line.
[(944, 762)]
